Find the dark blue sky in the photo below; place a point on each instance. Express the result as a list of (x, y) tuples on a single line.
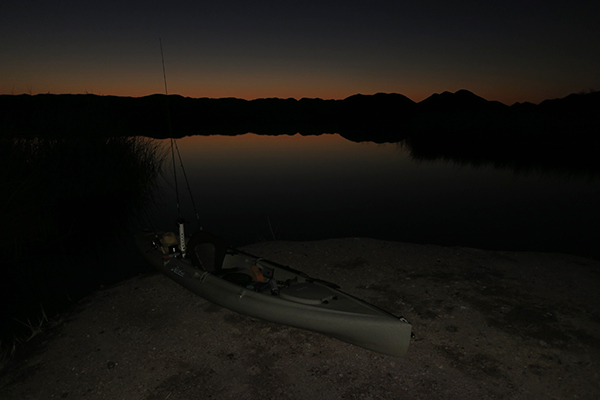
[(501, 50)]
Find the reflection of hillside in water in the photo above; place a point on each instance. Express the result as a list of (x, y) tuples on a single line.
[(65, 201), (569, 161)]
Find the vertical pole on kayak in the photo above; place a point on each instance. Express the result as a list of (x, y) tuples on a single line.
[(182, 246), (180, 220)]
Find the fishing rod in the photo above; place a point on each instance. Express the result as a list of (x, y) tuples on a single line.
[(180, 220)]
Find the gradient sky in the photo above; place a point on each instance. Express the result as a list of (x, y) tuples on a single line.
[(501, 50)]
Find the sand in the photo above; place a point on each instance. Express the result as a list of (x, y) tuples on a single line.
[(487, 325)]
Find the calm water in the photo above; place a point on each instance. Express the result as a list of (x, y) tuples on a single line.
[(250, 188)]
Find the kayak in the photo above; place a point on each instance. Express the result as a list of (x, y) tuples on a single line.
[(263, 289)]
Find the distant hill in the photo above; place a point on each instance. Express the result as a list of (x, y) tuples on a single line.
[(459, 101), (378, 117)]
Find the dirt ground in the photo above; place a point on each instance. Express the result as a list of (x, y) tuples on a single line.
[(487, 325)]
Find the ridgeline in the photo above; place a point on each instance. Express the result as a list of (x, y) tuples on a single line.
[(460, 124)]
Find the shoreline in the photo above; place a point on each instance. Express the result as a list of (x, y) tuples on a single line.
[(487, 324)]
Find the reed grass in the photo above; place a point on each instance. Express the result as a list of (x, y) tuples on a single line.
[(8, 352), (52, 186), (64, 200)]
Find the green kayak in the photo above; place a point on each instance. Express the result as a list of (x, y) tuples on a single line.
[(263, 289)]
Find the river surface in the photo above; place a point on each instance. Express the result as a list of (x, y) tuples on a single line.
[(249, 188)]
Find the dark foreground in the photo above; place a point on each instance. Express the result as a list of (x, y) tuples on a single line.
[(487, 324)]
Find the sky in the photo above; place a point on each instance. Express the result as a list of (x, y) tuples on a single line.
[(508, 51)]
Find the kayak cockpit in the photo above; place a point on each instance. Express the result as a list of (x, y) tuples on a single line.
[(211, 254)]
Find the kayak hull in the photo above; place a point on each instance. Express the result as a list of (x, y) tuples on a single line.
[(298, 300)]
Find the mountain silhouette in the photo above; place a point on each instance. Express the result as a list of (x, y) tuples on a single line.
[(377, 117), (462, 100)]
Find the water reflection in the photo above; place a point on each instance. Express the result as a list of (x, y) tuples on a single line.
[(538, 155), (316, 187)]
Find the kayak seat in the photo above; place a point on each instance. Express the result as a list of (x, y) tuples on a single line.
[(207, 251), (238, 278)]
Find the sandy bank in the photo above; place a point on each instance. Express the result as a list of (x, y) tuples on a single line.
[(487, 325)]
